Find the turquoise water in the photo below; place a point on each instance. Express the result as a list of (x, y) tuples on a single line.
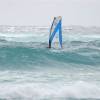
[(31, 71)]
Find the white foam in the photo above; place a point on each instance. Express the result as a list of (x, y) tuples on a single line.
[(37, 91)]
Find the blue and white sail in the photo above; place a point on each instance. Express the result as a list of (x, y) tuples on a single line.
[(56, 29)]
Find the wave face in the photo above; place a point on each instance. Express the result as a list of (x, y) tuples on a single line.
[(31, 71)]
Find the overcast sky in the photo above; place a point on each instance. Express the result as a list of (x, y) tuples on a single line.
[(41, 12)]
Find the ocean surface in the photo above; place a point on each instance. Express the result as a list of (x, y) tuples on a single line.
[(31, 71)]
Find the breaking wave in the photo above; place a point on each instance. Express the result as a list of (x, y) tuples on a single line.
[(31, 71)]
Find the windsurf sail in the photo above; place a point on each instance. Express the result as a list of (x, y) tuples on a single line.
[(56, 28)]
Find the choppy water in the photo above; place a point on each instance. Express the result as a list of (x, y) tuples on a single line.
[(31, 71)]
